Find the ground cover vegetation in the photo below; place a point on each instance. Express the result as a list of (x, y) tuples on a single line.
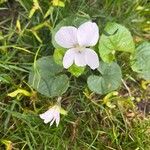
[(105, 105)]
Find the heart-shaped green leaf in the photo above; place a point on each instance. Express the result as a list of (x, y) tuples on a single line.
[(140, 61), (108, 80), (58, 56), (76, 70), (116, 38), (45, 77)]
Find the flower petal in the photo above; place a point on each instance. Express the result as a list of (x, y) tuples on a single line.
[(68, 58), (80, 59), (45, 114), (91, 58), (88, 34), (48, 115), (52, 122), (57, 118), (67, 37), (49, 118)]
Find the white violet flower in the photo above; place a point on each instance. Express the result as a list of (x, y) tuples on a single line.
[(78, 42), (52, 115)]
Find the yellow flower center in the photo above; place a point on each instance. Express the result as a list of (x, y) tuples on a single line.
[(79, 48)]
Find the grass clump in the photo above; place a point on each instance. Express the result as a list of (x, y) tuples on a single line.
[(25, 34)]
